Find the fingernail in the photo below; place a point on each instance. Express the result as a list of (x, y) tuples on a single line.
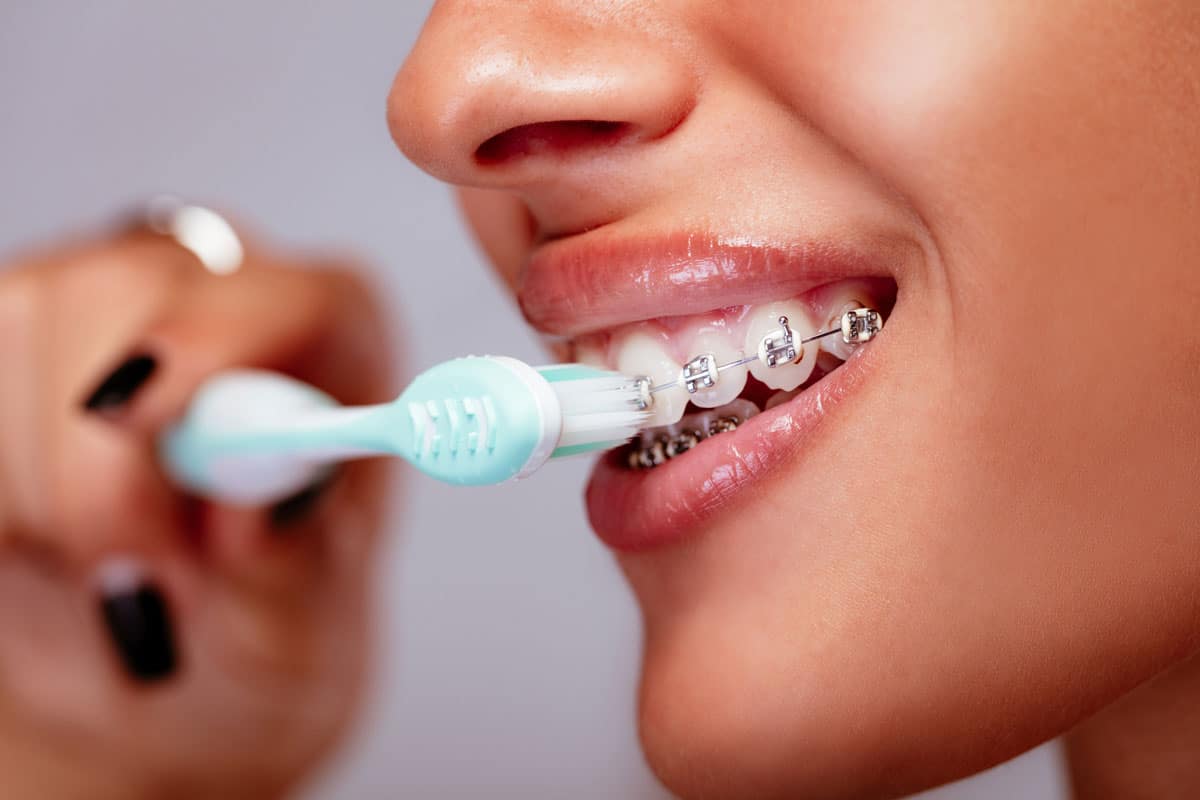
[(121, 384), (293, 510), (138, 620)]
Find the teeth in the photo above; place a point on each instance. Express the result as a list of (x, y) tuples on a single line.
[(704, 423), (835, 345), (661, 445), (846, 298), (641, 353), (763, 321), (730, 382), (765, 341), (683, 441), (715, 421), (699, 374), (861, 325)]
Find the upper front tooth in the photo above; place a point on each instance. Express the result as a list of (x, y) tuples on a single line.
[(644, 353), (731, 381), (764, 320)]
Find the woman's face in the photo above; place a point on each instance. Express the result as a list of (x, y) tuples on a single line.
[(982, 526)]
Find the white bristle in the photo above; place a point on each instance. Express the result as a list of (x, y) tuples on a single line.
[(599, 411)]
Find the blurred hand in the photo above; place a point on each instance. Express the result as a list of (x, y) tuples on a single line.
[(153, 645)]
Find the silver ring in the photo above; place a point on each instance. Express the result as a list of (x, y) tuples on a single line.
[(201, 231)]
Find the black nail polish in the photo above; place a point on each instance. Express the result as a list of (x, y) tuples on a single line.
[(121, 384), (292, 510), (140, 625)]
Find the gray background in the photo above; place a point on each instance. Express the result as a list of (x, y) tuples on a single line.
[(508, 643)]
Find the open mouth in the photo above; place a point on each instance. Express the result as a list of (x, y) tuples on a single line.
[(686, 309), (709, 374), (733, 391)]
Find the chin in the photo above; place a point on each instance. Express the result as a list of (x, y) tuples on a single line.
[(723, 715), (782, 693)]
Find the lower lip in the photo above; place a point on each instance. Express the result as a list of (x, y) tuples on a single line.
[(635, 510)]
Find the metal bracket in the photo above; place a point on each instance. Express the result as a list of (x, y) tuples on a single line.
[(700, 373), (861, 325), (779, 346)]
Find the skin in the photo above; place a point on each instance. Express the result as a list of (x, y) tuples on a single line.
[(270, 621), (901, 604)]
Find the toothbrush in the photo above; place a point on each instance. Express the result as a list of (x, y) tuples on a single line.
[(251, 437)]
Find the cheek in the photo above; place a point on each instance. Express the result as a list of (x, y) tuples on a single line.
[(1050, 150), (1046, 147), (1008, 549)]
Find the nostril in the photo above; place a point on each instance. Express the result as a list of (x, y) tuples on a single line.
[(551, 139)]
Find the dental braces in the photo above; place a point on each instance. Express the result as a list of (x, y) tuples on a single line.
[(665, 447), (778, 348)]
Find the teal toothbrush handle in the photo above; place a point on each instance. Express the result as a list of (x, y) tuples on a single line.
[(251, 437)]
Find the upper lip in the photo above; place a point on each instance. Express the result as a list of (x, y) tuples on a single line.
[(590, 282)]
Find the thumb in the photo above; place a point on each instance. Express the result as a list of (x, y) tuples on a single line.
[(264, 317)]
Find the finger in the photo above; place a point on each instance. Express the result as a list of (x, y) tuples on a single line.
[(20, 458), (291, 548), (320, 326), (58, 320), (300, 619), (106, 491), (140, 620), (71, 486), (77, 646), (317, 325)]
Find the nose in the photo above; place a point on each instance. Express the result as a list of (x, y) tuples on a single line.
[(506, 95)]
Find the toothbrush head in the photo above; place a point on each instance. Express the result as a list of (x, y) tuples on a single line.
[(486, 420), (600, 409)]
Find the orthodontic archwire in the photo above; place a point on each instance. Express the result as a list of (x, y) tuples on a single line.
[(778, 348)]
